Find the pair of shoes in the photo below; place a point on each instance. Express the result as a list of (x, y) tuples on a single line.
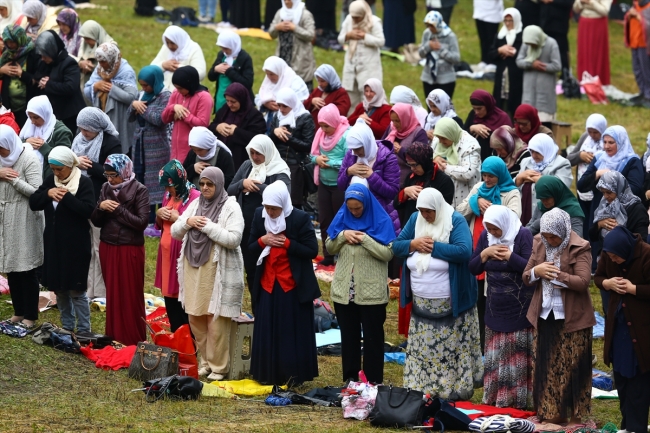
[(215, 376), (204, 371), (327, 261), (205, 19)]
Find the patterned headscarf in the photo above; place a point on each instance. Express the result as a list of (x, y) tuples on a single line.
[(95, 120), (108, 52), (435, 19), (173, 174), (615, 182), (442, 101), (421, 153), (72, 40), (25, 44), (556, 222), (122, 165)]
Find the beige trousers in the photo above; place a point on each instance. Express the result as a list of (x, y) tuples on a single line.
[(213, 339), (96, 286)]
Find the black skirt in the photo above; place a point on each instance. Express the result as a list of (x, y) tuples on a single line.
[(284, 343), (245, 14)]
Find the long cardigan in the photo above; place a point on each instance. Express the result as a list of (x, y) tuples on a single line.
[(303, 248), (338, 97), (369, 262), (251, 125), (66, 236), (515, 74), (383, 182), (510, 199), (200, 106), (539, 86), (153, 135), (241, 71), (464, 290), (21, 243), (226, 233), (634, 307), (575, 272), (302, 51), (366, 61), (61, 136)]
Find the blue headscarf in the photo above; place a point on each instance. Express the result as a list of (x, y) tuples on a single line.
[(374, 221), (624, 150), (496, 167), (620, 241), (153, 76)]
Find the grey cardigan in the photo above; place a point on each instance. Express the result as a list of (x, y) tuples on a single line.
[(574, 156), (539, 87), (449, 55)]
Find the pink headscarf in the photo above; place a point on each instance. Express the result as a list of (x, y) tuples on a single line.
[(408, 119), (331, 116)]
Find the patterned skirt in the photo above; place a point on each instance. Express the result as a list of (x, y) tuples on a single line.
[(508, 378), (561, 370), (443, 354)]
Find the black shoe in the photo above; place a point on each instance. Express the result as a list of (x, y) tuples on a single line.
[(636, 98), (327, 261)]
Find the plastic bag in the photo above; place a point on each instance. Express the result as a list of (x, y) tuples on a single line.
[(593, 88), (182, 342)]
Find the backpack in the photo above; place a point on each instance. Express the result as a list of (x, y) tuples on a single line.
[(183, 16), (324, 318), (145, 8)]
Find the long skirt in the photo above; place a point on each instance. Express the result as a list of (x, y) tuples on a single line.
[(399, 26), (508, 378), (245, 14), (561, 370), (123, 270), (284, 342), (443, 356), (593, 48)]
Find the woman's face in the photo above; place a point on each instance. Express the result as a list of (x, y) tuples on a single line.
[(257, 157), (355, 207), (357, 20), (33, 22), (616, 259), (532, 46), (208, 189), (490, 180), (4, 152), (104, 64), (46, 59), (416, 168), (548, 202), (145, 86), (552, 239), (432, 29), (509, 22), (501, 152), (11, 44), (537, 157), (233, 104), (4, 12), (273, 211), (35, 119), (288, 3), (368, 93), (610, 196), (328, 130), (113, 177), (284, 109), (359, 152), (610, 146), (479, 111), (395, 119), (65, 29), (494, 230), (444, 141), (524, 125), (594, 134), (90, 42), (171, 190), (200, 152), (226, 51), (428, 214), (182, 90), (322, 83), (88, 135), (272, 77), (172, 46), (61, 172), (434, 109)]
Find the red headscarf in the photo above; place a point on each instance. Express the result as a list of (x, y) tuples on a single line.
[(495, 116), (408, 119), (528, 112)]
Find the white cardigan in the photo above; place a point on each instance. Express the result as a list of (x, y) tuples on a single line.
[(366, 61), (195, 59), (228, 291)]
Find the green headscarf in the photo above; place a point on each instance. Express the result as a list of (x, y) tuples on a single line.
[(173, 174), (153, 76), (536, 36), (25, 44), (553, 187), (449, 129)]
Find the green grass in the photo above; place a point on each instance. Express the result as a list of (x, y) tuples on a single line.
[(43, 390)]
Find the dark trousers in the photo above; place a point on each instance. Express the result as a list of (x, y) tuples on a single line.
[(176, 314), (23, 287), (445, 12), (480, 308), (225, 8), (563, 44), (352, 319), (330, 200), (250, 263), (634, 401), (486, 34), (447, 87)]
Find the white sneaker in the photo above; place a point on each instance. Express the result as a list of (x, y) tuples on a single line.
[(215, 376), (490, 68), (204, 371), (622, 431)]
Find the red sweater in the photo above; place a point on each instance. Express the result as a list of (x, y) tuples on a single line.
[(338, 97), (200, 105), (380, 119), (9, 119)]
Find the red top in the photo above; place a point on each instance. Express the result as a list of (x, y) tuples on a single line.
[(338, 97), (380, 119), (277, 268)]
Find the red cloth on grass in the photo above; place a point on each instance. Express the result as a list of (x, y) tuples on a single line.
[(109, 358), (491, 410)]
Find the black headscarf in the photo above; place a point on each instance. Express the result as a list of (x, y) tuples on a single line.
[(187, 77), (49, 44), (621, 241)]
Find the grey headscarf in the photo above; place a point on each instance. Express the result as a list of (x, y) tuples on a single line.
[(199, 245), (46, 45), (328, 73), (34, 9), (95, 120), (556, 222), (617, 209)]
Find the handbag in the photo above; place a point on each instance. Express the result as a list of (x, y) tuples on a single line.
[(182, 342), (397, 407), (176, 387), (310, 186), (151, 361), (446, 415)]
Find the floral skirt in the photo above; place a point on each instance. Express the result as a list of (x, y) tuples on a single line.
[(561, 370), (443, 354), (508, 378)]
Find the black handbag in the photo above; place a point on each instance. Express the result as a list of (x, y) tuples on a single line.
[(151, 361), (307, 169), (446, 416), (397, 407), (175, 387)]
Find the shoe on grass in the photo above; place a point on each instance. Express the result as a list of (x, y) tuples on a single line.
[(215, 376), (204, 371)]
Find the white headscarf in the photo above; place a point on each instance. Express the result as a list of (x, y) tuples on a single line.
[(285, 74), (14, 10), (511, 35), (542, 143), (182, 40), (275, 194), (380, 94), (439, 230), (440, 99), (289, 98), (599, 123), (232, 41), (39, 105), (10, 141), (203, 138), (407, 96), (273, 163), (293, 13), (506, 220), (360, 135)]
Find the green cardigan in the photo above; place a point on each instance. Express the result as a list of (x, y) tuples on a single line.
[(61, 136), (369, 260)]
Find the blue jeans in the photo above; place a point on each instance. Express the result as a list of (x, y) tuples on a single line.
[(208, 8), (73, 303)]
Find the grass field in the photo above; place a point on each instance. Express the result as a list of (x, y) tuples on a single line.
[(44, 390)]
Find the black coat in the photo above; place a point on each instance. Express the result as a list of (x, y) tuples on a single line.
[(66, 236), (441, 181), (529, 12), (62, 88), (303, 247), (110, 145), (295, 150), (637, 222), (241, 72), (515, 75), (223, 161), (252, 125), (554, 17), (28, 76)]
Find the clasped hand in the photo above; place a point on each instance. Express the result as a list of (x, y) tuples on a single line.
[(180, 112), (57, 194), (620, 285), (496, 252), (8, 174), (423, 245), (353, 237), (547, 271), (197, 222), (360, 170), (109, 205), (273, 240), (282, 133), (139, 106)]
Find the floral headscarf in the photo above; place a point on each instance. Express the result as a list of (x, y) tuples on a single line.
[(173, 174), (25, 44), (122, 165)]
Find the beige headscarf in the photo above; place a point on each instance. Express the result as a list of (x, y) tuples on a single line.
[(62, 155), (360, 9)]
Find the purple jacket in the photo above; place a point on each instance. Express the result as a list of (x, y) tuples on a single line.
[(508, 297), (419, 135), (384, 181)]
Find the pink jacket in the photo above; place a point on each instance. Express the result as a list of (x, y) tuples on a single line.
[(200, 105)]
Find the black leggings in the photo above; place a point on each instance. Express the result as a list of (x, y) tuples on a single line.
[(487, 32)]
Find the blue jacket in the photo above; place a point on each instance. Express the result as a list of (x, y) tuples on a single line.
[(464, 290)]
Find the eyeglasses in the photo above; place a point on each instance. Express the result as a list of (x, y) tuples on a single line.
[(110, 176), (414, 165), (204, 184)]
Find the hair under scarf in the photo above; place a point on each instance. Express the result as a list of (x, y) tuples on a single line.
[(331, 116), (624, 150), (408, 120), (277, 195), (528, 112), (495, 116), (95, 120), (10, 141), (328, 73), (380, 95), (504, 137), (511, 35), (203, 138), (439, 230), (543, 144), (273, 164), (555, 222), (506, 220), (289, 98), (199, 245), (442, 101), (553, 187), (61, 155), (615, 182), (232, 41), (496, 167)]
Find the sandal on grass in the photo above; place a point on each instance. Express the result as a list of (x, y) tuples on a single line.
[(29, 328), (9, 321)]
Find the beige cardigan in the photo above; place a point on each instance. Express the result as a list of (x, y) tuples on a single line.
[(510, 199), (366, 61), (302, 52)]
